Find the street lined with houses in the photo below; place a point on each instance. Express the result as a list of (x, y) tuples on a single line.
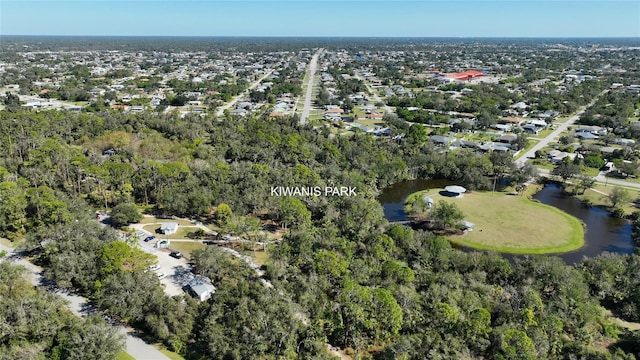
[(313, 66)]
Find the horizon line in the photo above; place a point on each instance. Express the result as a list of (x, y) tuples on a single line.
[(330, 36)]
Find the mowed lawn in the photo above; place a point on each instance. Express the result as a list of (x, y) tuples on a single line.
[(512, 223)]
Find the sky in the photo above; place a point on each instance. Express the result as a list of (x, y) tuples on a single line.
[(391, 18)]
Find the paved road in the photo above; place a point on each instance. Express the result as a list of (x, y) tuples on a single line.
[(374, 94), (313, 66), (236, 98), (178, 270), (556, 133), (81, 307), (604, 180)]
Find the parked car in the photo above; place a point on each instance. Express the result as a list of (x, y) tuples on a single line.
[(176, 254), (149, 238), (154, 267), (162, 276)]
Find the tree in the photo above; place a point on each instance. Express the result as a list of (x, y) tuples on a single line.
[(125, 214), (417, 133), (294, 212), (517, 345), (565, 140), (446, 215), (629, 168), (522, 141), (584, 183), (92, 338), (566, 170), (223, 214), (485, 120), (618, 195)]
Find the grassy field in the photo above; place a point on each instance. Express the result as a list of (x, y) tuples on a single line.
[(370, 122), (511, 223), (601, 200), (154, 220), (124, 356), (186, 247), (180, 234)]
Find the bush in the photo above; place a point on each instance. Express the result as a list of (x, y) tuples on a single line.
[(617, 213)]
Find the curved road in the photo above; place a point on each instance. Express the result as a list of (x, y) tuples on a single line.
[(80, 306), (313, 67)]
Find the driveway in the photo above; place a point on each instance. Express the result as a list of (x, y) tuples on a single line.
[(178, 271)]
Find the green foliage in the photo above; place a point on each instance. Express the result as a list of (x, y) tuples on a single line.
[(37, 325), (117, 256), (125, 214), (223, 213), (618, 195), (446, 215)]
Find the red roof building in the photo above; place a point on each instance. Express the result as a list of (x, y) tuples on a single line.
[(465, 75)]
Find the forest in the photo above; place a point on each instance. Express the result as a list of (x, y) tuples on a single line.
[(342, 275)]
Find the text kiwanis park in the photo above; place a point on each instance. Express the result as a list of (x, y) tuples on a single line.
[(313, 191)]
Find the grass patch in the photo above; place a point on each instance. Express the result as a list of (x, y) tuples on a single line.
[(261, 257), (186, 247), (511, 223), (589, 171), (532, 143), (370, 122), (124, 356), (544, 133), (168, 353), (155, 220), (596, 198), (180, 234)]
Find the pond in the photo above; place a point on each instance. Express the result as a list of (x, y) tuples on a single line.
[(603, 233)]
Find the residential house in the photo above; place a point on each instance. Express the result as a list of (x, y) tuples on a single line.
[(557, 156), (531, 129), (507, 139), (492, 146), (585, 135), (595, 130), (625, 142), (441, 140)]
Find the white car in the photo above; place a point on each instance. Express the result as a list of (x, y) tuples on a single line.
[(154, 267), (162, 276)]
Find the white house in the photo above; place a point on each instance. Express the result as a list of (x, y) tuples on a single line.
[(201, 288), (169, 228)]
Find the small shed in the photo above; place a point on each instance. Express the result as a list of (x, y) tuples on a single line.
[(169, 228), (201, 288)]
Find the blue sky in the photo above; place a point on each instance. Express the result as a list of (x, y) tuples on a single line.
[(507, 18)]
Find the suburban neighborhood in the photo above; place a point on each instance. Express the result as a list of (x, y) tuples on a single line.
[(492, 211)]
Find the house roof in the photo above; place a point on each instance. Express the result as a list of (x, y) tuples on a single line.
[(441, 139), (201, 286), (169, 226), (465, 75)]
